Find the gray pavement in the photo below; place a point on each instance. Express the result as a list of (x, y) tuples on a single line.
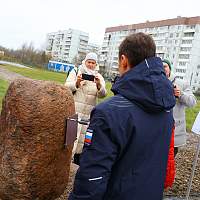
[(14, 64)]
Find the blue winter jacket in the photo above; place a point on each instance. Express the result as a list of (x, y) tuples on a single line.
[(127, 142)]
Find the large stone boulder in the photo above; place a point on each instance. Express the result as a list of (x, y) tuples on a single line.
[(33, 161)]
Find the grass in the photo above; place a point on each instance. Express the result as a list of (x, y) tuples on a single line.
[(3, 89), (191, 114), (40, 74), (109, 93)]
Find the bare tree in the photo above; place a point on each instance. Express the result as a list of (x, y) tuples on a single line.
[(28, 55), (77, 60)]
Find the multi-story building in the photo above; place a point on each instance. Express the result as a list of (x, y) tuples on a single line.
[(65, 45), (93, 48), (1, 53), (176, 39)]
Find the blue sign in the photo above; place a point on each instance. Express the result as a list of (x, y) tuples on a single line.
[(59, 66)]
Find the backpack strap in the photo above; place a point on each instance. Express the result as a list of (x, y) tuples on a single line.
[(76, 71)]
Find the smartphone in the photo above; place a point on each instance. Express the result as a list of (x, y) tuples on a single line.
[(88, 77)]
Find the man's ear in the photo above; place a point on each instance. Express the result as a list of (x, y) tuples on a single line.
[(124, 63)]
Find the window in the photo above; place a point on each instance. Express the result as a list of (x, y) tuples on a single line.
[(180, 77), (185, 48), (181, 70), (191, 34), (182, 63), (159, 48), (170, 42), (186, 41), (191, 26), (184, 56)]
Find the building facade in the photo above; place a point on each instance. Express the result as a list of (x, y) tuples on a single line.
[(93, 48), (64, 46), (1, 53), (176, 39)]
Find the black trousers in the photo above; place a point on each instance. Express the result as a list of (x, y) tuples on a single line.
[(77, 158), (175, 151)]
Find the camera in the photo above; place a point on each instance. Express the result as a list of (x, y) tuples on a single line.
[(88, 77), (175, 95)]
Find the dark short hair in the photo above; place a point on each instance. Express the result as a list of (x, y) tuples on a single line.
[(137, 47)]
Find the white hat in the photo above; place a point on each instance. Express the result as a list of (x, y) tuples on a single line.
[(91, 56)]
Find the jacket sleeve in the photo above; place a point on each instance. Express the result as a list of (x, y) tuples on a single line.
[(71, 81), (187, 97), (102, 92), (170, 172), (96, 161)]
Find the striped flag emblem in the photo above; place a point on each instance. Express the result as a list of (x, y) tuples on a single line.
[(88, 136)]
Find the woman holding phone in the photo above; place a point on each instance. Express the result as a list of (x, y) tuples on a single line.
[(86, 84)]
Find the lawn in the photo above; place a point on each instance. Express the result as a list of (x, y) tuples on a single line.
[(3, 88), (109, 93), (191, 114), (40, 74)]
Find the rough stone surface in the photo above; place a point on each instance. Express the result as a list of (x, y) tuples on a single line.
[(33, 162), (184, 163)]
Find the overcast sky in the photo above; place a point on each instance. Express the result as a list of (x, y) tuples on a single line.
[(30, 20)]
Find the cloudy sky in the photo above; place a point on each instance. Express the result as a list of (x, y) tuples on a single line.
[(25, 21)]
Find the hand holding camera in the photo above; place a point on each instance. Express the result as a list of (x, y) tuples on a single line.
[(98, 82), (78, 81), (177, 91), (88, 77)]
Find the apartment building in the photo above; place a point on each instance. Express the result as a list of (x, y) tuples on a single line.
[(93, 48), (2, 53), (65, 45), (176, 39)]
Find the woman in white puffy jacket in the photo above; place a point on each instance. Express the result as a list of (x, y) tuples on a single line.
[(85, 95)]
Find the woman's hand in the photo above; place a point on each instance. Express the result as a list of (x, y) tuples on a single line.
[(78, 81), (177, 91), (97, 81)]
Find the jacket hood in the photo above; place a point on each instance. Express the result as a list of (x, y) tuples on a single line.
[(147, 86)]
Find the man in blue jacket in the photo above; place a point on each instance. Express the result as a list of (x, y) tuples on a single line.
[(127, 142)]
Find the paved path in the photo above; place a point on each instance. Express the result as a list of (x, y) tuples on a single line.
[(8, 75), (14, 64)]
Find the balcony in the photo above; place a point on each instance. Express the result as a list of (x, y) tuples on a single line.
[(104, 50), (189, 30)]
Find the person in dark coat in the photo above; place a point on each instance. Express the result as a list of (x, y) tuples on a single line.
[(127, 141)]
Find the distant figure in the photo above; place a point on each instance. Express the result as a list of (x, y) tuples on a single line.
[(184, 98), (127, 142), (115, 79), (86, 84)]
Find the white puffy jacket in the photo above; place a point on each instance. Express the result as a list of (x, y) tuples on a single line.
[(85, 98)]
